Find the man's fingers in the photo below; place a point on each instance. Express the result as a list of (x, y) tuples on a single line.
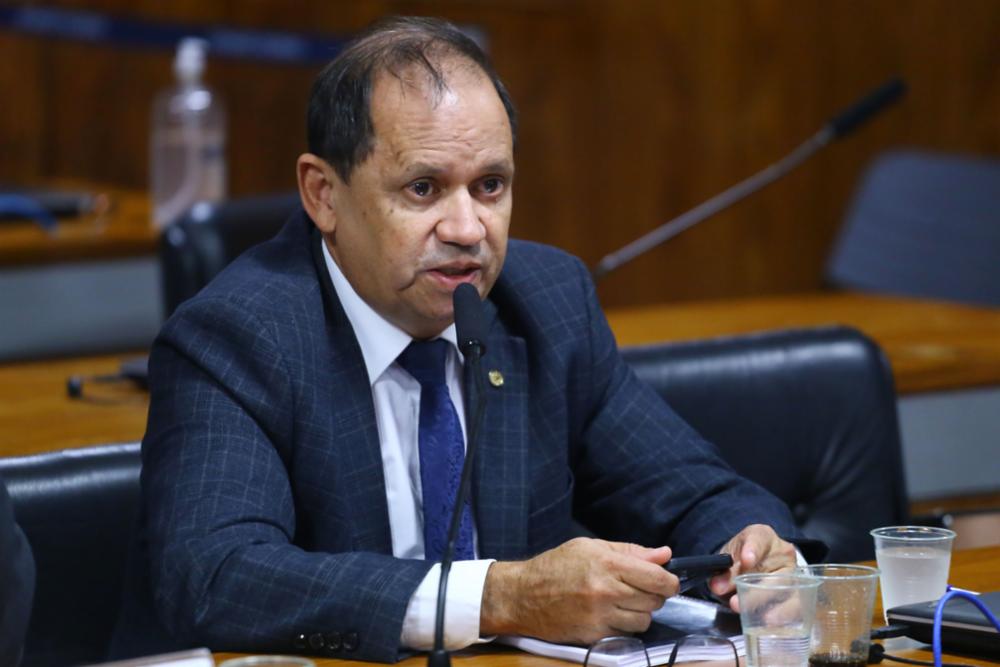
[(642, 602), (722, 584), (658, 555), (769, 552), (642, 568), (749, 552), (756, 548), (626, 621), (754, 545), (647, 577)]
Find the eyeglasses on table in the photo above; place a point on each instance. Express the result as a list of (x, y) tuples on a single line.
[(632, 652)]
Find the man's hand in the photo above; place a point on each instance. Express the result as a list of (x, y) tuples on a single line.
[(579, 592), (756, 548)]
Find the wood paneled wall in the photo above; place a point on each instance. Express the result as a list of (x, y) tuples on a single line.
[(632, 111)]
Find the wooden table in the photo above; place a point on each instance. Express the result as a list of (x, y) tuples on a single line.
[(932, 346), (36, 415), (976, 569), (123, 230)]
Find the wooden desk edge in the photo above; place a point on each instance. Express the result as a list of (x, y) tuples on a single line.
[(124, 231), (931, 346)]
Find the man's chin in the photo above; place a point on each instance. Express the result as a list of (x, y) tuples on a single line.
[(429, 322), (434, 311)]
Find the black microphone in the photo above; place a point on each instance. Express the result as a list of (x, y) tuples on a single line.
[(839, 126), (470, 328), (847, 120), (133, 371)]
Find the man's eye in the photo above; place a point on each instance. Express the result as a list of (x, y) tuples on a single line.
[(492, 185), (421, 188)]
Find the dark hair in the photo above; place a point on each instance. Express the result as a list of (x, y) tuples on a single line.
[(339, 118)]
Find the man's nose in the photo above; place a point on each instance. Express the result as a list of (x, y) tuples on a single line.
[(460, 223)]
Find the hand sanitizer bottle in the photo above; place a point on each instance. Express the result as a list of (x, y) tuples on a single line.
[(188, 139)]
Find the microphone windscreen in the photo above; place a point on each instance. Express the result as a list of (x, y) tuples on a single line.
[(850, 118), (470, 322)]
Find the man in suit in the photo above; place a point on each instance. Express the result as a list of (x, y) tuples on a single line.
[(288, 503), (17, 583)]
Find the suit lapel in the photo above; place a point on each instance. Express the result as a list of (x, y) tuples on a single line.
[(354, 425), (500, 485)]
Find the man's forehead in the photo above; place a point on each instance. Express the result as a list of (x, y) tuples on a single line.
[(408, 108), (414, 83)]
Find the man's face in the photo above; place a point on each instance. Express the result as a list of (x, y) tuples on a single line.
[(430, 206)]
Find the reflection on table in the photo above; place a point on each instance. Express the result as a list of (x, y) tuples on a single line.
[(931, 345)]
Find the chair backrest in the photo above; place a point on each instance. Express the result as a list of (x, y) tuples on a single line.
[(209, 236), (809, 415), (924, 225), (77, 508)]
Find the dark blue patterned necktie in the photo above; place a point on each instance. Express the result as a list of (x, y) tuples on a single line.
[(442, 449)]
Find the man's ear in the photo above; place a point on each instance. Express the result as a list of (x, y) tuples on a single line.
[(317, 183)]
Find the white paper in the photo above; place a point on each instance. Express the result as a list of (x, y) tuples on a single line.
[(688, 615), (199, 657)]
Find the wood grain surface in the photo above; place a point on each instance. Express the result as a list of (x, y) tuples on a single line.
[(631, 112), (36, 415), (123, 230), (932, 346)]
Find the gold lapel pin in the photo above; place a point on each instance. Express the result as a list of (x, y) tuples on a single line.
[(496, 378)]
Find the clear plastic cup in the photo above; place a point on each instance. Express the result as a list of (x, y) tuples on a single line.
[(777, 612), (914, 563), (841, 634)]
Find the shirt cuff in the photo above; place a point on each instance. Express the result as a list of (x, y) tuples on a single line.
[(800, 560), (462, 606)]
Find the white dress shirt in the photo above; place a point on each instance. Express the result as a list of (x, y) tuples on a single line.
[(396, 395)]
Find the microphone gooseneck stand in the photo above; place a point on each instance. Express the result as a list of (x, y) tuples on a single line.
[(839, 126), (471, 332)]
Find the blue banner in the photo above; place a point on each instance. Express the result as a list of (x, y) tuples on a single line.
[(224, 41)]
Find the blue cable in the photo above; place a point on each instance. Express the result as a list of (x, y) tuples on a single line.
[(23, 206), (956, 593)]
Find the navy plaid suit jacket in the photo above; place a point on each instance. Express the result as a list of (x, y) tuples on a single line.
[(264, 502)]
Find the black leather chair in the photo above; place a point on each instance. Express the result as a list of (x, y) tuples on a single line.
[(924, 225), (208, 237), (77, 508), (808, 414)]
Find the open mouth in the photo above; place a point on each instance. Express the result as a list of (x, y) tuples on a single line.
[(450, 276), (457, 271)]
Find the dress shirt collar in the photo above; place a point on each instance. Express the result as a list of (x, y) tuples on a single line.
[(381, 341)]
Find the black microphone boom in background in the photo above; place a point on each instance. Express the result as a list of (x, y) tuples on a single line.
[(839, 126)]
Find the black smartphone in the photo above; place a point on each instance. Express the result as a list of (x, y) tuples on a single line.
[(692, 568)]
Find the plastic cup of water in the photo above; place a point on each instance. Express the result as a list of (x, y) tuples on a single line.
[(841, 632), (914, 563), (777, 611)]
